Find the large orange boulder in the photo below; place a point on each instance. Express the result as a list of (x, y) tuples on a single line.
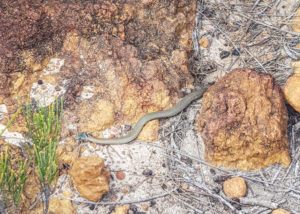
[(243, 122)]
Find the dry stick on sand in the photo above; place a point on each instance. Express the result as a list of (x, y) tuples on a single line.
[(166, 193)]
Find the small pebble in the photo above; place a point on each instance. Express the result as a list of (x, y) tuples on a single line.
[(237, 206), (147, 172), (57, 88), (236, 52), (235, 187), (216, 190), (152, 203), (145, 206), (133, 208), (92, 207), (164, 186), (40, 82), (220, 179), (120, 175), (204, 42), (185, 186), (179, 190), (224, 54), (126, 189)]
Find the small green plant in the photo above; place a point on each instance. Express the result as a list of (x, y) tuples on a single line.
[(3, 168), (12, 178), (44, 127)]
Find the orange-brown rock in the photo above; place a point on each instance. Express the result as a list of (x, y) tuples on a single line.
[(235, 187), (280, 211), (204, 42), (90, 177), (296, 65), (296, 21), (56, 205), (243, 122), (67, 153), (292, 91), (121, 209), (120, 175)]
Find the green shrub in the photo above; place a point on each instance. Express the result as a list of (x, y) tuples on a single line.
[(12, 178)]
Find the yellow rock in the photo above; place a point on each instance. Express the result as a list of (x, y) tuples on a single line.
[(296, 67), (31, 62), (235, 187), (96, 116), (280, 211), (71, 42), (52, 79), (204, 42), (18, 82), (121, 209), (292, 91), (66, 153), (296, 21), (90, 177), (61, 206)]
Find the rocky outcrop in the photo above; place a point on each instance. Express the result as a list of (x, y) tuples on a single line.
[(134, 55), (243, 121)]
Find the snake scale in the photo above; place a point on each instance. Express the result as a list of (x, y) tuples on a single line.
[(133, 134)]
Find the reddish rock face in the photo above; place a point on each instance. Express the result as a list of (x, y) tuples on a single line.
[(243, 122), (155, 28), (134, 53)]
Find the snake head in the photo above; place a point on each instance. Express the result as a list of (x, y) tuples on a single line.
[(81, 136)]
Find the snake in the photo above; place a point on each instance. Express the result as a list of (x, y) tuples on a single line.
[(137, 128)]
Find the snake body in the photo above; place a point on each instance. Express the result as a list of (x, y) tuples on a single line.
[(133, 134)]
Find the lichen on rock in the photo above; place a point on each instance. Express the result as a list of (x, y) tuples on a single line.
[(243, 122)]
